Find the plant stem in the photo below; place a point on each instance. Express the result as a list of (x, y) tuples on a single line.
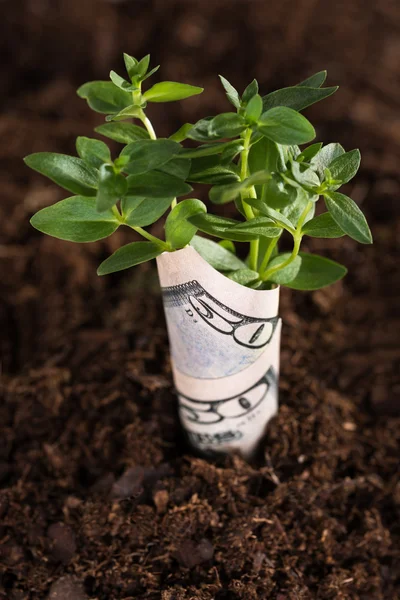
[(268, 254), (297, 237), (244, 158), (150, 237)]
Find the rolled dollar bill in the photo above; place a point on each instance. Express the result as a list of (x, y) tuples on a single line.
[(225, 344)]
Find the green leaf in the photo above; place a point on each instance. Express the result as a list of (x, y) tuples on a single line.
[(141, 212), (75, 220), (315, 81), (221, 194), (308, 153), (278, 195), (218, 257), (293, 211), (262, 226), (169, 91), (143, 66), (277, 217), (231, 92), (345, 166), (146, 155), (150, 73), (209, 149), (131, 65), (305, 177), (112, 187), (322, 226), (209, 170), (178, 167), (156, 184), (243, 276), (226, 125), (254, 108), (250, 91), (178, 230), (130, 112), (221, 227), (182, 133), (316, 272), (104, 97), (124, 133), (200, 132), (121, 83), (69, 172), (286, 274), (228, 244), (263, 156), (285, 126), (129, 256), (348, 216), (296, 98), (93, 152), (325, 157)]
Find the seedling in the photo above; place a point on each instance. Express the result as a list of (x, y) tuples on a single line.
[(250, 157)]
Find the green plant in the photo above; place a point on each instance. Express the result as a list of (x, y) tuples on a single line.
[(250, 157)]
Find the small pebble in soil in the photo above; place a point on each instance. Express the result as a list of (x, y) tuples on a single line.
[(189, 554), (62, 543), (67, 588)]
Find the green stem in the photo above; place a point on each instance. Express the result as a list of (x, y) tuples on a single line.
[(244, 159), (297, 237), (150, 237), (268, 254)]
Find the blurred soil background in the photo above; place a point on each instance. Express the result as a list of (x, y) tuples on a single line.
[(100, 497)]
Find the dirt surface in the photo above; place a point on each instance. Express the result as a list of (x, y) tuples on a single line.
[(100, 497)]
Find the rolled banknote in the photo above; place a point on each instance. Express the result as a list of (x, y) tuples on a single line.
[(225, 343)]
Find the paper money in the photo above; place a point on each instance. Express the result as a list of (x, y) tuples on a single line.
[(225, 343)]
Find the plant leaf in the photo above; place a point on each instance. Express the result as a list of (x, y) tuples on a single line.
[(285, 126), (141, 212), (286, 274), (231, 92), (315, 81), (208, 149), (322, 226), (308, 153), (93, 152), (262, 226), (345, 166), (178, 229), (325, 157), (146, 155), (112, 187), (75, 220), (250, 91), (316, 272), (243, 276), (200, 131), (178, 167), (349, 217), (278, 195), (121, 83), (297, 97), (254, 108), (129, 256), (182, 133), (124, 133), (131, 65), (277, 217), (221, 227), (155, 184), (169, 91), (209, 170), (221, 194), (226, 125), (218, 257), (69, 172), (295, 210), (104, 97)]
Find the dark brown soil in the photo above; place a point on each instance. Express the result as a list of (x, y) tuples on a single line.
[(99, 496)]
